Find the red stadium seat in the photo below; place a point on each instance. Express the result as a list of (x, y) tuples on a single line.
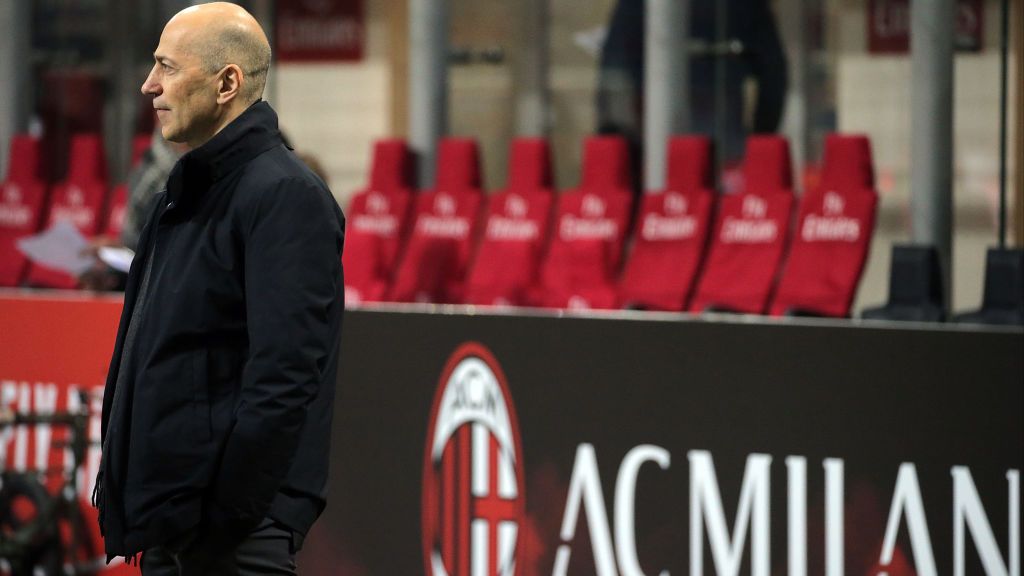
[(25, 160), (433, 265), (586, 250), (140, 144), (22, 199), (750, 233), (377, 221), (767, 165), (515, 229), (582, 264), (115, 211), (671, 231), (828, 253), (458, 165), (79, 199), (847, 162), (529, 165), (606, 165), (114, 221), (392, 169), (833, 234)]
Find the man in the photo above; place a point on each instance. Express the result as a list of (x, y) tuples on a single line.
[(763, 58), (218, 403)]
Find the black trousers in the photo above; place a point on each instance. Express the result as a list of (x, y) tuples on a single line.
[(269, 549)]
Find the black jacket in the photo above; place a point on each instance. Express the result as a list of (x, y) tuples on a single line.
[(225, 413)]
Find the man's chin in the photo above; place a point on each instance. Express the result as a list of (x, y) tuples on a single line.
[(171, 135)]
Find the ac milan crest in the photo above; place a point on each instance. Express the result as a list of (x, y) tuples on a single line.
[(473, 498)]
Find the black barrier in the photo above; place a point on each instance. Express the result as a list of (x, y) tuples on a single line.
[(689, 446)]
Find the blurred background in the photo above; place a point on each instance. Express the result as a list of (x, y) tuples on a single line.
[(341, 81), (366, 89)]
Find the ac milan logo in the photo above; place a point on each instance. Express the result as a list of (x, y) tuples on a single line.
[(473, 498)]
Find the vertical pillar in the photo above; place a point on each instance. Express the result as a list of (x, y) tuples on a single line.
[(1017, 118), (931, 127), (531, 69), (793, 23), (721, 89), (428, 83), (123, 107), (15, 89), (666, 84)]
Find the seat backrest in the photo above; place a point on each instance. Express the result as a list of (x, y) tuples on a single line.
[(529, 165), (81, 204), (671, 233), (828, 252), (690, 164), (915, 286), (391, 166), (113, 220), (1004, 279), (86, 161), (834, 228), (433, 265), (377, 225), (116, 211), (140, 144), (748, 242), (21, 212), (915, 276), (514, 230), (586, 248), (669, 242), (79, 199), (606, 165), (458, 165), (847, 163), (507, 260), (766, 165), (24, 159)]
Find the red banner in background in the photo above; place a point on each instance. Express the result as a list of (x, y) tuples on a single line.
[(319, 30), (889, 26), (52, 347)]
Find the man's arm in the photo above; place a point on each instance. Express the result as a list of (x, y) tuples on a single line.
[(292, 279)]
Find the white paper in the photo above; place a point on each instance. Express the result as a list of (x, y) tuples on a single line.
[(61, 247), (118, 258)]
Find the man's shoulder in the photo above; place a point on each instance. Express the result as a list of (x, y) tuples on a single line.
[(278, 178), (279, 170)]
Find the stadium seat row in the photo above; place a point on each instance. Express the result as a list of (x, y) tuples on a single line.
[(28, 204), (689, 248)]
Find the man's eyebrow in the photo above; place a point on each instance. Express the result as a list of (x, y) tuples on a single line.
[(162, 59)]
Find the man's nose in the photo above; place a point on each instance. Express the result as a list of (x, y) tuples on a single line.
[(150, 86)]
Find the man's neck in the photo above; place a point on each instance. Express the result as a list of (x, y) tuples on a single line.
[(233, 111)]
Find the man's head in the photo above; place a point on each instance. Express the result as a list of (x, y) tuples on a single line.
[(211, 64)]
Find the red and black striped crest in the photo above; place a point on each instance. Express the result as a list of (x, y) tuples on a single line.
[(473, 492)]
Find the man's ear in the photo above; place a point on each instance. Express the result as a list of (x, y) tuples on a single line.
[(230, 84)]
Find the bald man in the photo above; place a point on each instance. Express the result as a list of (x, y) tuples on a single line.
[(218, 401)]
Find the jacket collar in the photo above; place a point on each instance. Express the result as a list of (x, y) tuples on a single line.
[(252, 133)]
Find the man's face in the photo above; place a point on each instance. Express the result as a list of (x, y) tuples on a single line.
[(185, 95)]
